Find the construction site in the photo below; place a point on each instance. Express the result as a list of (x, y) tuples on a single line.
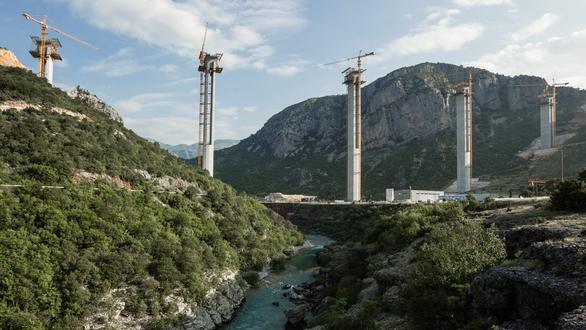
[(45, 51)]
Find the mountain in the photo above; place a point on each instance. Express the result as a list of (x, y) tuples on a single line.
[(79, 249), (185, 151), (7, 58), (409, 137)]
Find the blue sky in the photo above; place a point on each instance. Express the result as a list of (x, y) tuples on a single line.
[(146, 67)]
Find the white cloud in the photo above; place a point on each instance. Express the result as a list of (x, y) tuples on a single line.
[(257, 59), (169, 68), (475, 3), (249, 109), (561, 58), (64, 87), (169, 130), (409, 16), (535, 27), (228, 111), (285, 70), (145, 102), (179, 26), (62, 64), (430, 38), (120, 64), (183, 81)]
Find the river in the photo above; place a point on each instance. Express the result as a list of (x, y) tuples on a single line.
[(258, 311)]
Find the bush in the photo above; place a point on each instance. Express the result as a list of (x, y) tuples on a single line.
[(570, 195), (251, 277), (450, 258)]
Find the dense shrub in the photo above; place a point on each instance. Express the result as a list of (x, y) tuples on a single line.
[(571, 194), (452, 255), (62, 250), (251, 277)]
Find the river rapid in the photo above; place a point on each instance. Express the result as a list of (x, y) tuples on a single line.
[(258, 311)]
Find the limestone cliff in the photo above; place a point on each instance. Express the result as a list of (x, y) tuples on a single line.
[(7, 58), (94, 102), (408, 134)]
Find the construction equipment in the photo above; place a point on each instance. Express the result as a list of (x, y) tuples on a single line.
[(553, 95), (44, 52), (553, 104), (353, 79), (469, 96), (533, 183), (209, 66), (201, 83)]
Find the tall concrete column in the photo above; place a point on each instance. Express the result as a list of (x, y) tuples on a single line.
[(547, 135), (49, 70), (209, 103), (353, 137), (463, 140), (209, 146)]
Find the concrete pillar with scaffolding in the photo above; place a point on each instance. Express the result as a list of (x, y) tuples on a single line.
[(209, 68), (547, 134), (464, 140), (352, 80), (46, 53)]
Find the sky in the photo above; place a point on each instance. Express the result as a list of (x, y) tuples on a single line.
[(146, 66)]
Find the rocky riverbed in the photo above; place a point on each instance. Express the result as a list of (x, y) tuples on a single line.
[(541, 285)]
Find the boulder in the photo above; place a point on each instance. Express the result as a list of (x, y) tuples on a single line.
[(502, 293), (297, 313), (387, 278), (324, 306), (390, 298), (348, 280)]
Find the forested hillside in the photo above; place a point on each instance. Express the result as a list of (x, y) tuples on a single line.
[(63, 249)]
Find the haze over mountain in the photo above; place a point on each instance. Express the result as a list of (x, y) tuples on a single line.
[(409, 136), (190, 151)]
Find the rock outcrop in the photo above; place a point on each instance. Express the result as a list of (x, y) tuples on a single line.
[(296, 314), (7, 58), (94, 102), (218, 307)]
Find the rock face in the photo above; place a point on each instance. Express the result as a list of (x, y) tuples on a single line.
[(7, 58), (555, 294), (408, 134), (94, 102), (398, 107), (217, 308)]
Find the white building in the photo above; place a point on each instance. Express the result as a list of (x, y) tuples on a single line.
[(409, 195), (390, 195)]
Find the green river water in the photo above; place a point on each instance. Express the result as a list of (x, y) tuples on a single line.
[(258, 311)]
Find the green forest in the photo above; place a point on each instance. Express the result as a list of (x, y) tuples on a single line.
[(62, 249)]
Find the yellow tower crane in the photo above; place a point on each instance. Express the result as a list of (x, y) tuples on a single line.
[(553, 95), (463, 83), (203, 68), (42, 52), (358, 122)]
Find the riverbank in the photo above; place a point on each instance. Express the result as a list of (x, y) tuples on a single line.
[(259, 312), (535, 281)]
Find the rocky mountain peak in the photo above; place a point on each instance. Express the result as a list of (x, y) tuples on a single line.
[(94, 102), (7, 58)]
